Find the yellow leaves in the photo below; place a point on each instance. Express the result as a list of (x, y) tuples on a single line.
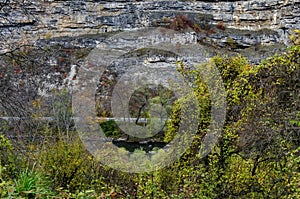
[(297, 31), (295, 38), (89, 157), (48, 35), (36, 103)]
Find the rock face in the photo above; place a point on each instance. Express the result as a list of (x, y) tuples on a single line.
[(30, 21), (253, 27)]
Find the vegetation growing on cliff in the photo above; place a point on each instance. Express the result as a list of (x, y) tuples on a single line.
[(257, 156)]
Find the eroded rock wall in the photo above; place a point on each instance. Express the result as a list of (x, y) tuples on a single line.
[(30, 21)]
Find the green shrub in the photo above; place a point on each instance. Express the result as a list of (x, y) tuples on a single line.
[(6, 186), (31, 184), (110, 128), (27, 184), (7, 159), (65, 163), (72, 167)]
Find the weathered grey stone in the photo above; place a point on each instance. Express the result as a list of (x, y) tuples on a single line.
[(49, 19)]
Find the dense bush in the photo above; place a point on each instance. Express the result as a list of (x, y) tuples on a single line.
[(258, 152), (67, 163), (7, 159)]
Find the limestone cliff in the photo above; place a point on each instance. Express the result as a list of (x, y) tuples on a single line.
[(43, 19)]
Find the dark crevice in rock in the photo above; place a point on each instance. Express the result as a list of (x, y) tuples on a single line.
[(18, 25)]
